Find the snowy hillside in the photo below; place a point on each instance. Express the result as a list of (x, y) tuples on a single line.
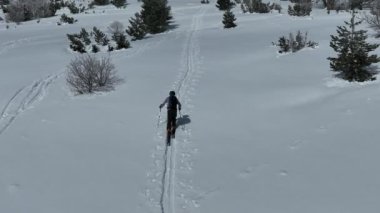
[(260, 132)]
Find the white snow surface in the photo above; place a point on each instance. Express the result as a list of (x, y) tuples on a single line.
[(259, 132)]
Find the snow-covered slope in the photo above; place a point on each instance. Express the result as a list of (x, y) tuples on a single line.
[(259, 132)]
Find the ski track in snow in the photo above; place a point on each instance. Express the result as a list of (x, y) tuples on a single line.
[(24, 99), (9, 45), (166, 163)]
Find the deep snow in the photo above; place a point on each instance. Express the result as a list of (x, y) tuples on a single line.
[(260, 132)]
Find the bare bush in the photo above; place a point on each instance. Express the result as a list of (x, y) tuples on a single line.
[(25, 10), (88, 74), (294, 44), (301, 8), (116, 27)]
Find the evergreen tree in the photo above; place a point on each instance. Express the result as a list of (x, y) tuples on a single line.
[(119, 3), (121, 41), (138, 28), (95, 48), (229, 19), (353, 57), (224, 4), (101, 2), (85, 36), (100, 37), (156, 15), (76, 43)]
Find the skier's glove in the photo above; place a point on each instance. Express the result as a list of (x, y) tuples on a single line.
[(160, 106)]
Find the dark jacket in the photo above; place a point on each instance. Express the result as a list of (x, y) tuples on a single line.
[(171, 103)]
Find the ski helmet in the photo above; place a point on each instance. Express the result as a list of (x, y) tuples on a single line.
[(172, 93)]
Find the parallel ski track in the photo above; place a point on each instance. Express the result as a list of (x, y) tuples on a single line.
[(167, 199), (23, 99)]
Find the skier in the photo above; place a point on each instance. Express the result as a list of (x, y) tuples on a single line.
[(171, 103)]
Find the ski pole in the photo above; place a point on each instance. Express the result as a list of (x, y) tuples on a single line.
[(159, 118)]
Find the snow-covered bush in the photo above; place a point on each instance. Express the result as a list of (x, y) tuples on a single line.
[(76, 43), (100, 37), (85, 36), (294, 44), (88, 74), (137, 29), (275, 6), (101, 2), (95, 48), (119, 3), (72, 7), (67, 19), (303, 8), (255, 6), (121, 41), (85, 41), (25, 10)]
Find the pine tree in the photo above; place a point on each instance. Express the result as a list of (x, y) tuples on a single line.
[(137, 29), (76, 43), (119, 3), (353, 52), (85, 36), (224, 4), (100, 37), (156, 15), (229, 19), (121, 41)]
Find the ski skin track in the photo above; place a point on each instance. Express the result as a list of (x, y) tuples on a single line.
[(168, 183)]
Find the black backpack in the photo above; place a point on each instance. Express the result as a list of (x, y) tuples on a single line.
[(172, 102)]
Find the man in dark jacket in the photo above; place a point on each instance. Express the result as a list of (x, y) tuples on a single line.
[(171, 103)]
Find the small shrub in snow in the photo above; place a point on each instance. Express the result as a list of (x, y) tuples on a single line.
[(5, 9), (121, 41), (255, 6), (353, 60), (116, 27), (110, 48), (67, 19), (85, 36), (229, 19), (373, 19), (72, 7), (300, 9), (294, 44), (224, 4), (101, 2), (88, 74), (100, 37), (275, 6), (119, 3), (76, 43), (25, 10), (95, 48), (137, 29), (56, 5)]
